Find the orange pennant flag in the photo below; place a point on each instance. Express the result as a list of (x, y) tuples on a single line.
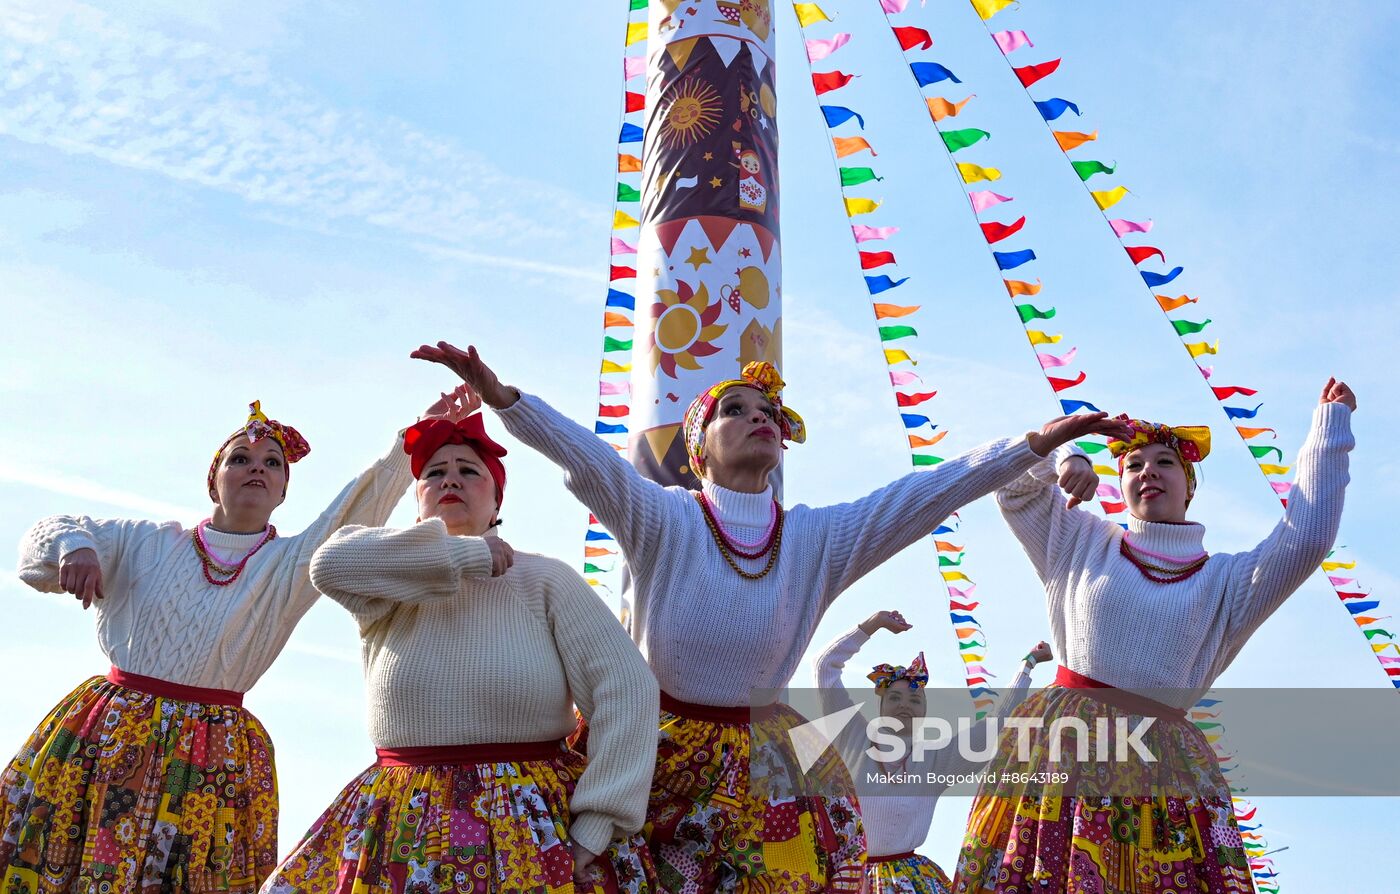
[(595, 551), (611, 319), (1069, 139), (626, 164), (941, 108), (1248, 433), (1016, 287), (883, 311), (1169, 303), (916, 441), (944, 546), (850, 146), (965, 631)]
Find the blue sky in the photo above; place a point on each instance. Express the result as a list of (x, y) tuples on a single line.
[(203, 204)]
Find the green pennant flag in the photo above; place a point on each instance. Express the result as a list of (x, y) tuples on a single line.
[(857, 176), (945, 562), (590, 568), (611, 344), (1030, 312), (1261, 452), (1087, 169), (971, 644), (890, 333), (1091, 446), (638, 4), (627, 193), (1186, 327), (961, 139), (924, 459), (1378, 632)]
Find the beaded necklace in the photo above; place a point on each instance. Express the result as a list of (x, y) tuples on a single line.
[(729, 550), (736, 546), (209, 565), (1149, 570)]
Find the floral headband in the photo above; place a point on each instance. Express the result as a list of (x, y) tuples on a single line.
[(258, 426), (1191, 443), (760, 375), (885, 675)]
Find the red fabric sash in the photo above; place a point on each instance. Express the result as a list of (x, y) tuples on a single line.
[(712, 713), (1118, 698), (166, 689), (889, 858), (485, 753)]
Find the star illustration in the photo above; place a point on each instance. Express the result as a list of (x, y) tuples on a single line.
[(745, 252), (698, 257), (655, 272), (708, 156), (716, 182)]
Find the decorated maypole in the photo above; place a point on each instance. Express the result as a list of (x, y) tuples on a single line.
[(709, 297)]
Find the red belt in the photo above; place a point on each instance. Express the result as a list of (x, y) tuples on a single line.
[(1118, 698), (889, 858), (487, 753), (713, 713), (166, 689)]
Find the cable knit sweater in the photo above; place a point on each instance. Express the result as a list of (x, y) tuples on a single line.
[(453, 656), (711, 636), (161, 618), (1111, 623), (897, 824)]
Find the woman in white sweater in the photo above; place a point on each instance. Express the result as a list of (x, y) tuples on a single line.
[(1145, 620), (897, 823), (727, 587), (473, 656), (154, 778)]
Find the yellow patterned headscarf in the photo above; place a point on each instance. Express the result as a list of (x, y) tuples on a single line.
[(1191, 443), (760, 375), (258, 426)]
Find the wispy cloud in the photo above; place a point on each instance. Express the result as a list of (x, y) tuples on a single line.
[(16, 472)]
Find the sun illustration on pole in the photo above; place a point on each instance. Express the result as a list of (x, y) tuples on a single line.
[(692, 112), (683, 328)]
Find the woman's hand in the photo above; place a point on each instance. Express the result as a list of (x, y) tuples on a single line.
[(583, 859), (502, 556), (1067, 428), (455, 405), (469, 366), (892, 621), (1335, 392), (1041, 653), (1078, 480), (80, 573)]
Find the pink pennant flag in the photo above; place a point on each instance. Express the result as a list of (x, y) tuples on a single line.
[(614, 387), (979, 670), (633, 66), (961, 594), (622, 248), (817, 50), (1207, 371), (1108, 490), (1048, 361), (1012, 40), (1386, 659), (904, 378), (1341, 581), (1283, 487), (983, 199), (893, 7), (1123, 227), (864, 233)]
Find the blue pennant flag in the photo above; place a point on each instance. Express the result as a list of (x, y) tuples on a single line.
[(597, 535), (838, 115), (1073, 406), (912, 421), (1357, 608), (621, 299), (882, 283), (631, 133), (603, 428), (1241, 412), (1010, 260), (931, 73), (1154, 280), (1050, 109)]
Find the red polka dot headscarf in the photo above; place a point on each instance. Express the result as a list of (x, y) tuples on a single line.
[(759, 375), (1191, 443), (258, 426)]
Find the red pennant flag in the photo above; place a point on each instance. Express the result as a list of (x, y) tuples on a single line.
[(622, 273), (1029, 74), (1140, 253), (1063, 384), (870, 259), (1226, 392), (913, 37), (636, 101), (592, 519), (613, 412), (1112, 508), (971, 680), (1346, 595), (964, 606), (995, 232), (825, 82), (913, 400)]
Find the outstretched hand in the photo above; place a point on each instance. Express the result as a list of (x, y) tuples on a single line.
[(1335, 392), (455, 405), (472, 370), (888, 620), (1067, 428), (80, 573)]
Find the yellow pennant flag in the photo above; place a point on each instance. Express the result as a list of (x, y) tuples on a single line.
[(636, 32), (1381, 647), (1271, 469), (1200, 347), (860, 206), (1168, 303), (956, 575), (883, 311), (1106, 470), (1337, 566), (972, 173), (626, 164), (988, 8), (941, 108), (1071, 139), (1040, 338), (916, 441), (1016, 287), (610, 367), (851, 145), (622, 221), (894, 355), (1109, 197), (808, 13)]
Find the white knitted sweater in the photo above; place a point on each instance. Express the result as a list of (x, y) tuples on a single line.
[(897, 824), (161, 618), (1111, 623), (711, 636), (453, 656)]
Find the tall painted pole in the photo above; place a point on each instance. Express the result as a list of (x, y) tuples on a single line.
[(709, 294)]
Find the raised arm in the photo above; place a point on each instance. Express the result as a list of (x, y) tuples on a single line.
[(950, 760), (851, 741), (618, 696), (78, 555), (1272, 571), (628, 504), (1041, 508)]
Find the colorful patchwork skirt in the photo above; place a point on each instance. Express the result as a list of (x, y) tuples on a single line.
[(139, 786), (905, 874), (1175, 833), (467, 820), (710, 833)]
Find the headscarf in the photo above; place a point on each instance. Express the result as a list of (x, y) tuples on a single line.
[(423, 439), (760, 375), (886, 675), (258, 426), (1191, 443)]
